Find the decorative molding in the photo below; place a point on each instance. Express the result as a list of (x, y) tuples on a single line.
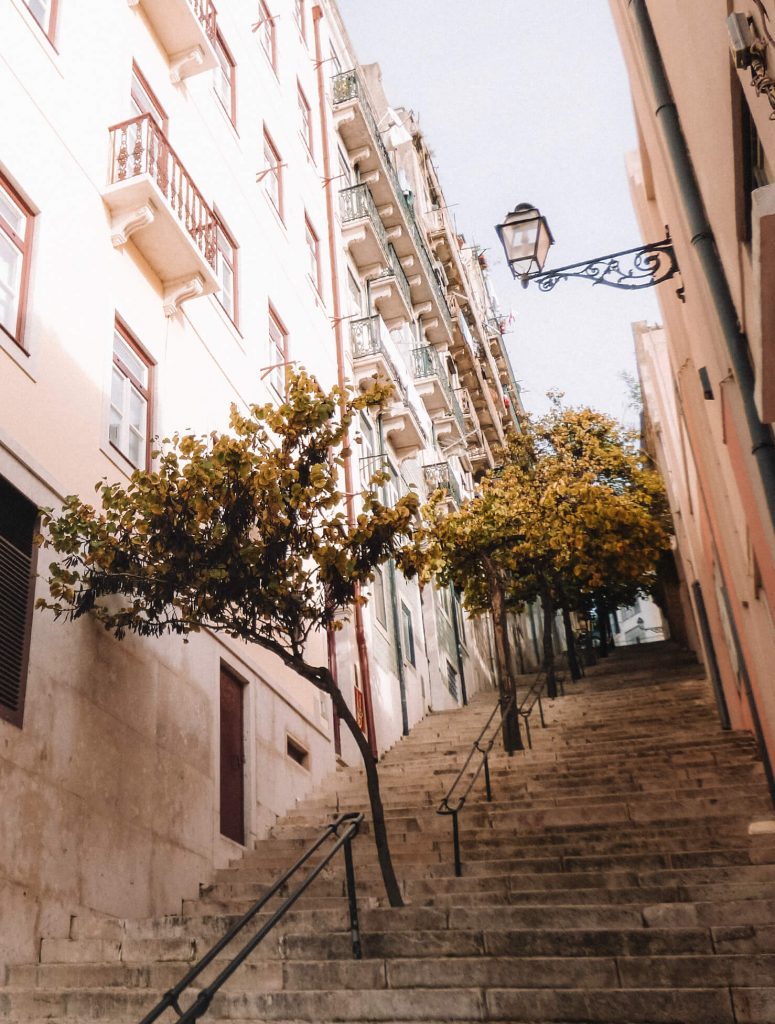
[(178, 292), (123, 225), (186, 63)]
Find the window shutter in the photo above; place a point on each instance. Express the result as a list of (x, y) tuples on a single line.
[(15, 581)]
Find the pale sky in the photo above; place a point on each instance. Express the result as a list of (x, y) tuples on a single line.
[(527, 101)]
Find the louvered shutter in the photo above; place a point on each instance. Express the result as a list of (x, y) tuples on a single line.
[(17, 524)]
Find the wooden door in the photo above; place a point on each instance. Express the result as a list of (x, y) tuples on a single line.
[(232, 757)]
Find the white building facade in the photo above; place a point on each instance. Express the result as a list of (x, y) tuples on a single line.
[(190, 202)]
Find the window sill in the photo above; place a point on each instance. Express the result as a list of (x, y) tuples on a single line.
[(277, 215), (45, 41), (26, 362), (226, 116), (120, 461), (234, 330)]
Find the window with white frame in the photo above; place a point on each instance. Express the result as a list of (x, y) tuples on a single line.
[(407, 634), (273, 174), (225, 81), (15, 238), (267, 36), (378, 596), (313, 250), (45, 13), (226, 268), (130, 398), (277, 354), (299, 15), (305, 115)]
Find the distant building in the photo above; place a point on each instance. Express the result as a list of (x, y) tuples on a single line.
[(704, 167), (191, 202)]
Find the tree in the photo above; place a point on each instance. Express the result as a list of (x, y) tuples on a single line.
[(243, 533), (573, 508)]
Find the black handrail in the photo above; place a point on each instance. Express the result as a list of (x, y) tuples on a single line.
[(350, 822), (445, 807)]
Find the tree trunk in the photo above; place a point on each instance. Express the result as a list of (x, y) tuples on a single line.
[(512, 737), (322, 678), (573, 661), (547, 603)]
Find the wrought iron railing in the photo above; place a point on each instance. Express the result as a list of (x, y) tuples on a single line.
[(453, 802), (366, 338), (205, 12), (348, 86), (379, 466), (394, 269), (439, 477), (139, 146), (357, 203), (426, 363), (343, 830)]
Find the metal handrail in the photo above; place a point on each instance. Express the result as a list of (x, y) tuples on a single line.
[(350, 822), (445, 807)]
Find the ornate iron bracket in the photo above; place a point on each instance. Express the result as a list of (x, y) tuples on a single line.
[(629, 270)]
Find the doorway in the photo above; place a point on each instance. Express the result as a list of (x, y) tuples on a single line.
[(232, 756)]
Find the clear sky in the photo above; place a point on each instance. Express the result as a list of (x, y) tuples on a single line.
[(527, 101)]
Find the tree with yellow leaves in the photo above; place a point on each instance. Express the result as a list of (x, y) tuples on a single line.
[(242, 533)]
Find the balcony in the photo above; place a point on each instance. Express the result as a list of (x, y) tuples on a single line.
[(186, 30), (434, 388), (375, 357), (362, 228), (152, 199), (440, 477), (391, 294), (358, 128)]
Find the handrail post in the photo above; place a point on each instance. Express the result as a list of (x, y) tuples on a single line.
[(541, 712), (487, 787), (456, 844), (355, 932), (527, 732)]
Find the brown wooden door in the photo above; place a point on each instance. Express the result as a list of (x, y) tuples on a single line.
[(232, 758)]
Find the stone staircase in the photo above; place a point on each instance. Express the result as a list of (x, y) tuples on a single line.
[(613, 878)]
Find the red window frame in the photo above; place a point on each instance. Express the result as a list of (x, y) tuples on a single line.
[(274, 350), (266, 18), (146, 390), (145, 98), (233, 265), (305, 113), (300, 17), (222, 49), (276, 172), (312, 240), (24, 245), (49, 31)]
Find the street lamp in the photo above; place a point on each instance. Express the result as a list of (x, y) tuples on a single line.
[(526, 239)]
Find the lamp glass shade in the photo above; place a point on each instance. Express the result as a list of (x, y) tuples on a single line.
[(526, 239)]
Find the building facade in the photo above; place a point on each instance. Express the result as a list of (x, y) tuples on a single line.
[(190, 202), (703, 104)]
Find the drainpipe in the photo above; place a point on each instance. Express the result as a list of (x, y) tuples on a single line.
[(761, 436), (360, 636), (710, 652)]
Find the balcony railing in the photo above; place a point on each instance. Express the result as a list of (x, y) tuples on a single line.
[(357, 203), (439, 477), (425, 364), (394, 269), (367, 341), (139, 147), (348, 86), (205, 11)]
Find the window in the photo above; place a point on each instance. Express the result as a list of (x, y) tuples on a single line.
[(305, 127), (226, 268), (451, 681), (407, 634), (277, 354), (313, 250), (345, 170), (355, 295), (143, 100), (445, 601), (130, 399), (266, 33), (45, 13), (300, 16), (18, 521), (273, 174), (378, 594), (296, 752), (15, 240), (226, 78)]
